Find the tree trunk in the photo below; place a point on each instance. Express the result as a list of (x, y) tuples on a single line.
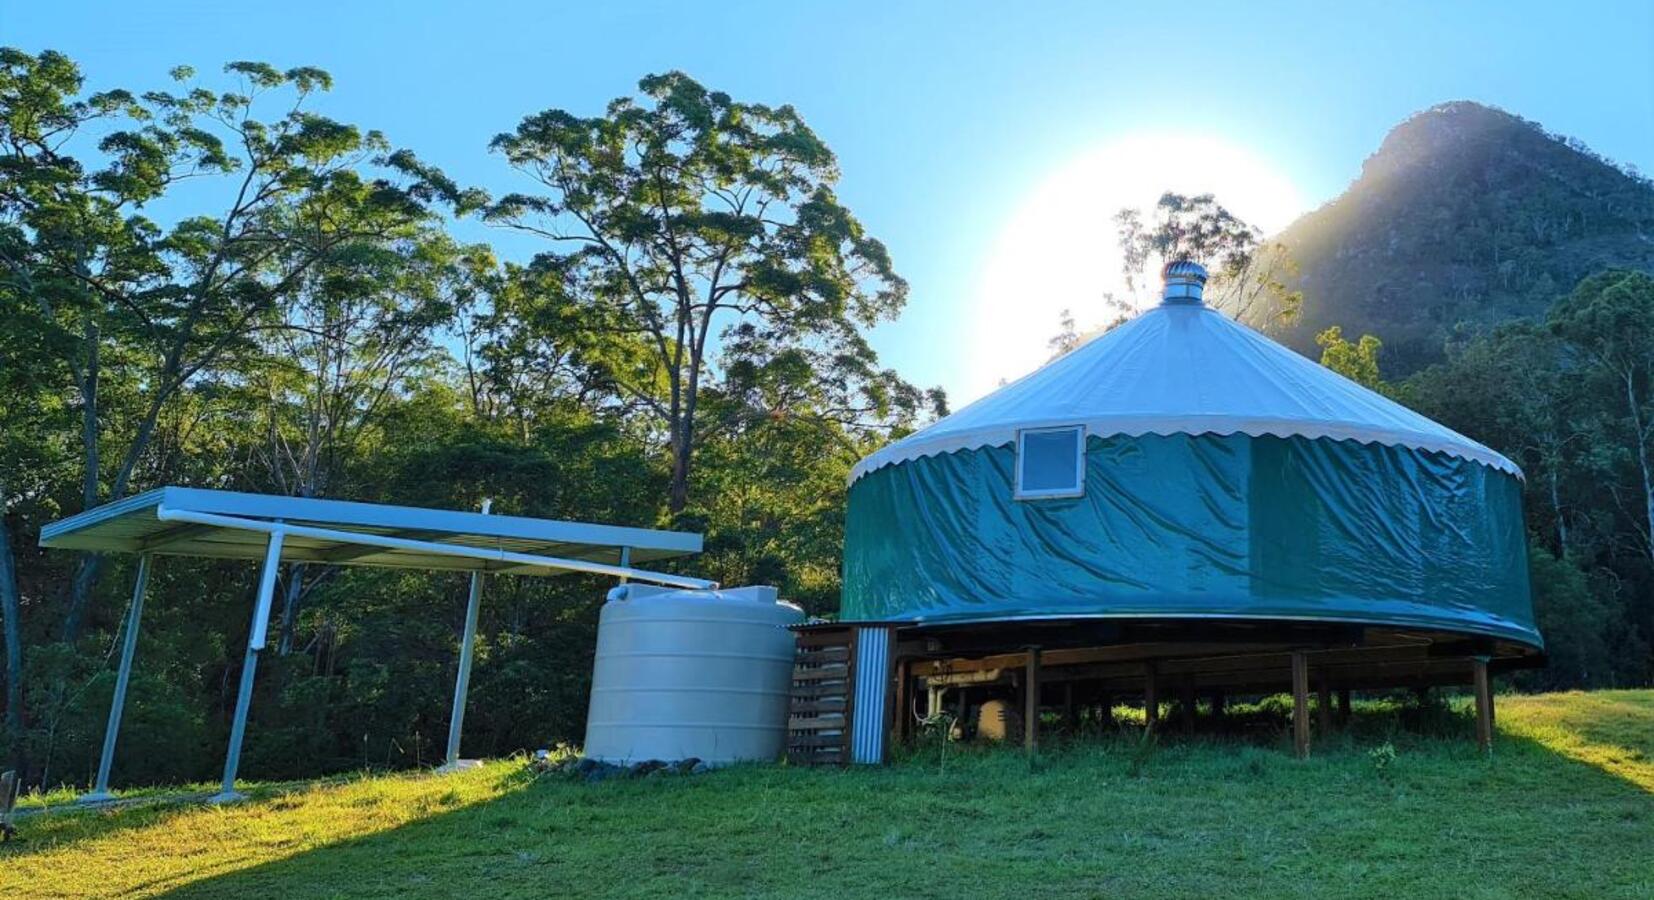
[(87, 570), (677, 496), (1561, 522), (80, 587), (683, 446), (290, 608), (9, 612), (91, 564), (1642, 462)]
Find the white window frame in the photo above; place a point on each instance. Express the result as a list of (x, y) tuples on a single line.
[(1078, 490)]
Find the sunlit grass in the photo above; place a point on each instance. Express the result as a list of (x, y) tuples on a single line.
[(145, 850), (1610, 730), (1562, 809)]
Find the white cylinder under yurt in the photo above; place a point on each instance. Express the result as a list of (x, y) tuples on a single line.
[(684, 674)]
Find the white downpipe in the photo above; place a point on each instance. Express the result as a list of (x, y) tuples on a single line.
[(166, 514)]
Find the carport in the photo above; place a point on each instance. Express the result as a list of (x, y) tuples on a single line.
[(212, 524)]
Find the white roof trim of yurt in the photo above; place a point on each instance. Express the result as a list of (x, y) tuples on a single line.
[(1184, 368)]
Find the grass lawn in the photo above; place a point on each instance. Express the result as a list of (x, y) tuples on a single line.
[(1564, 808)]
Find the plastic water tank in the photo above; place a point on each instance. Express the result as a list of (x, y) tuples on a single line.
[(682, 674)]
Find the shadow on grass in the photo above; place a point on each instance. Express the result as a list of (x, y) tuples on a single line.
[(1202, 814), (1437, 818)]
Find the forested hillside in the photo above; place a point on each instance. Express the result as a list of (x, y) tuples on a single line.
[(1465, 217)]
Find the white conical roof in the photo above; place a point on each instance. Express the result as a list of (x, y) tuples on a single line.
[(1185, 368)]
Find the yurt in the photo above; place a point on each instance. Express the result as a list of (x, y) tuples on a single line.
[(1177, 508)]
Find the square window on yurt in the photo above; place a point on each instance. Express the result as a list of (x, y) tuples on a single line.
[(1050, 462)]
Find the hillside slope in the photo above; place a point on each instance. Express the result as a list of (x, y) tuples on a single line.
[(1562, 809), (1466, 216)]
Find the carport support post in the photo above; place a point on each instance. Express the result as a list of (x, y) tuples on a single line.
[(1484, 704), (1300, 703), (129, 647), (462, 681), (255, 643)]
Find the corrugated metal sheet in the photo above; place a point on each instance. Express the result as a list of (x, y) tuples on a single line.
[(133, 525), (867, 732)]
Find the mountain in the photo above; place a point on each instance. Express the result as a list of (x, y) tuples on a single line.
[(1467, 216)]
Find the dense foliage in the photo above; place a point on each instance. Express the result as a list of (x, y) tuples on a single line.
[(216, 286)]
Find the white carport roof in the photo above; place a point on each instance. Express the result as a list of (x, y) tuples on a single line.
[(181, 521)]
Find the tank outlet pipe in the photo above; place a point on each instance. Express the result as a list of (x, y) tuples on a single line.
[(167, 514)]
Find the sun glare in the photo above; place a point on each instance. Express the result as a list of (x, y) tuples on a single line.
[(1059, 251)]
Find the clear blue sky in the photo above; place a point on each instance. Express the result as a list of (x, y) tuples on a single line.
[(945, 117)]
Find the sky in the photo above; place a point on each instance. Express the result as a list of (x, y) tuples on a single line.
[(987, 144)]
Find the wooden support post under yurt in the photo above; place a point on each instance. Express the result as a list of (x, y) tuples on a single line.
[(1030, 706), (1484, 704), (1300, 704)]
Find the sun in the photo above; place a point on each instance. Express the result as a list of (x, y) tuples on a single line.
[(1058, 250)]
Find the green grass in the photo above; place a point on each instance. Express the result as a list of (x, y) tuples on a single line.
[(1564, 808)]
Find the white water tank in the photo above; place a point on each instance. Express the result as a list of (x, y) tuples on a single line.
[(686, 674)]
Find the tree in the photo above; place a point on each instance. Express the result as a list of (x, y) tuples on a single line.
[(1249, 276), (1069, 337), (35, 453), (154, 306), (533, 352), (1608, 321), (345, 340), (676, 212), (1356, 361), (1575, 622)]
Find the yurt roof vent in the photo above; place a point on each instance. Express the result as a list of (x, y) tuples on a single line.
[(1184, 282)]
